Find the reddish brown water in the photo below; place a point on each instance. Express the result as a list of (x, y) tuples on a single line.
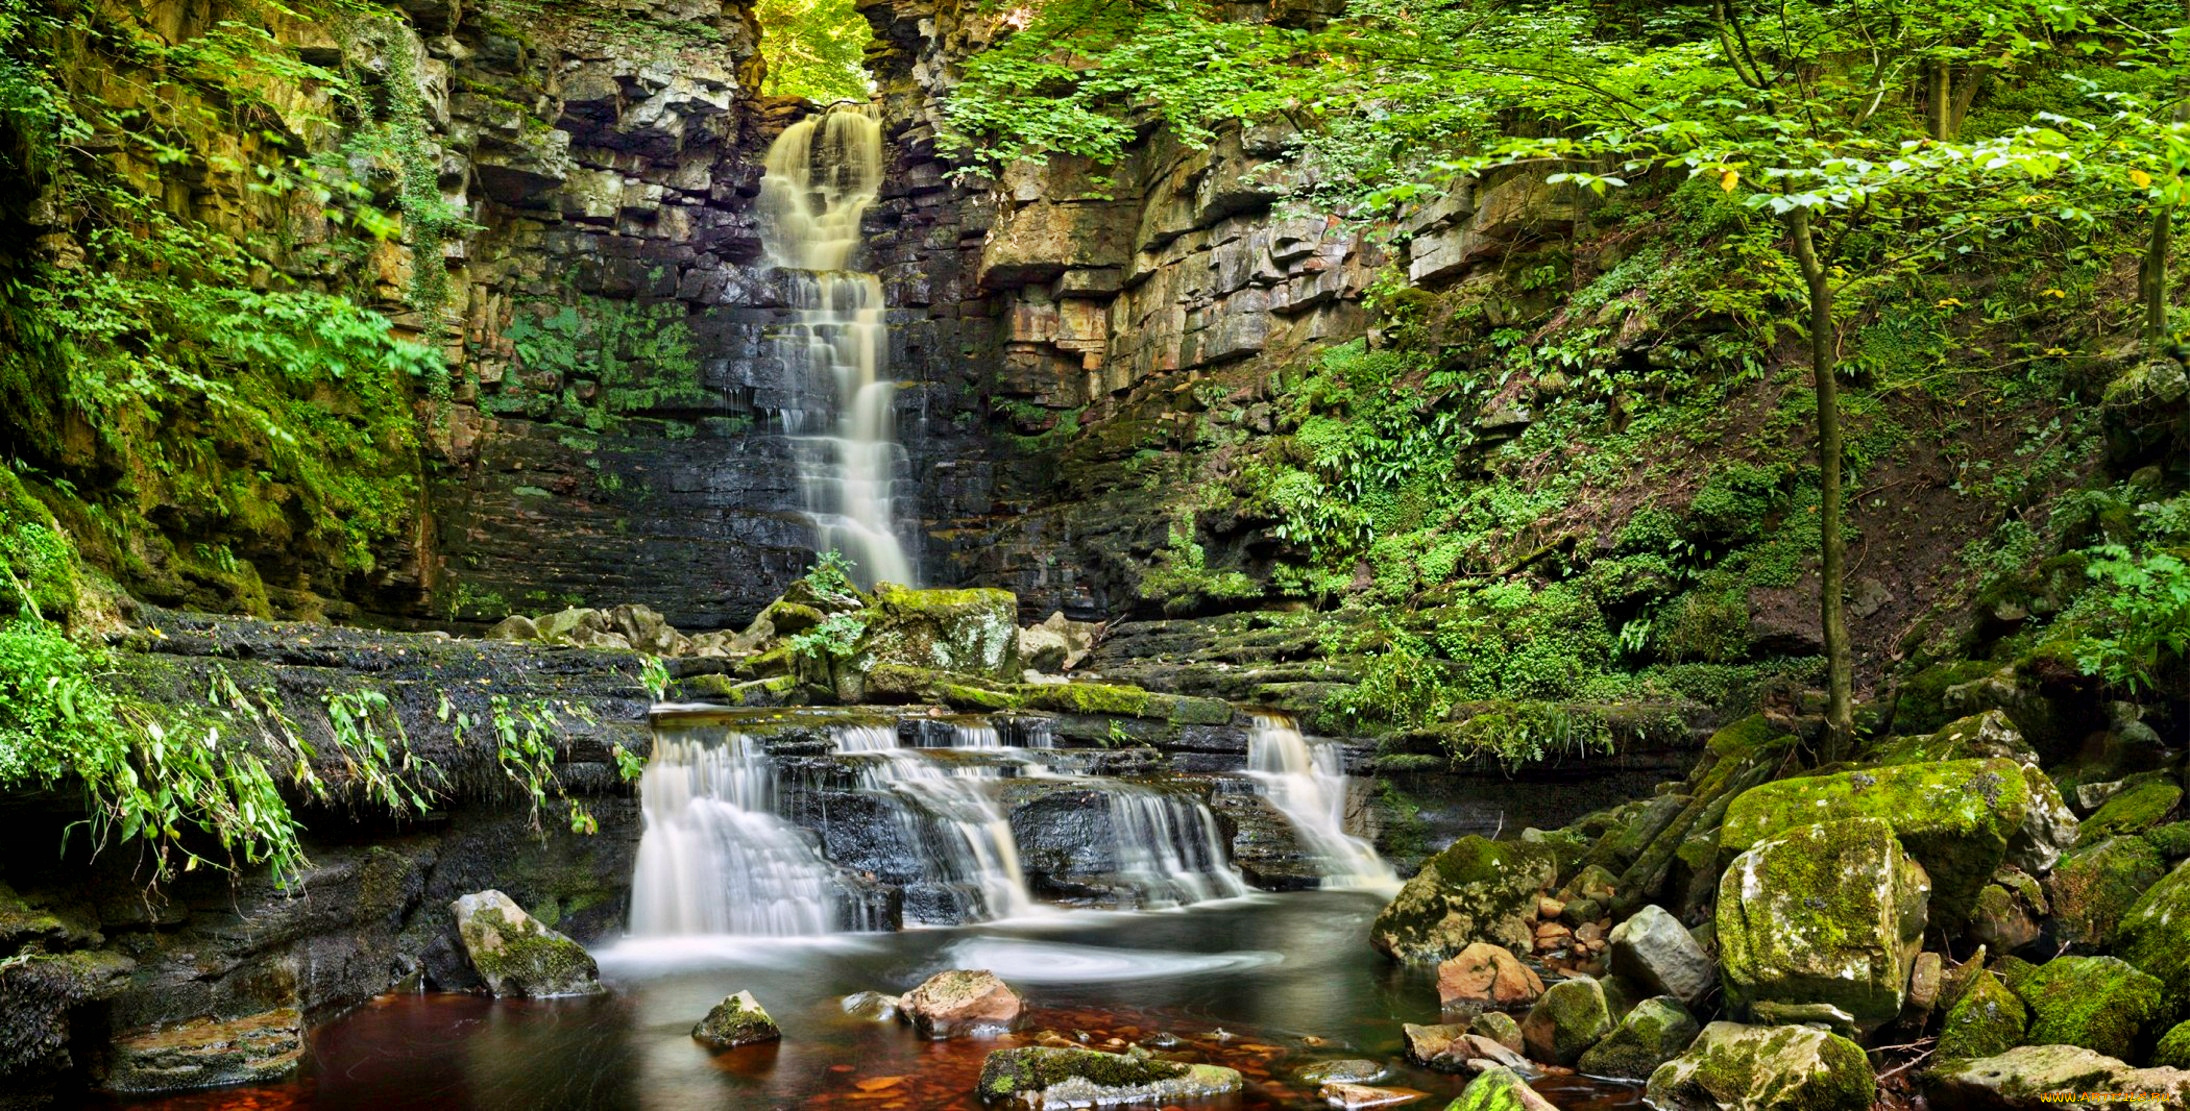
[(1263, 985)]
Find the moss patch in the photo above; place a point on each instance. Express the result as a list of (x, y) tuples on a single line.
[(2133, 811), (2099, 1003), (1987, 1020), (2094, 887)]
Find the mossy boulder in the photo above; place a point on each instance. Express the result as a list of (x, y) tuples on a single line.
[(1045, 1076), (1656, 1031), (2173, 1050), (1955, 818), (2133, 811), (517, 956), (969, 632), (2095, 886), (1475, 890), (737, 1020), (2155, 934), (1571, 1017), (2034, 1077), (1921, 704), (2099, 1003), (1731, 1067), (1499, 1027), (1976, 737), (2171, 841), (1987, 1020), (1499, 1089), (1828, 914)]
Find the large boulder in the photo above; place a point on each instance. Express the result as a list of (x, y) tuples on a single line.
[(2155, 934), (960, 1003), (1057, 644), (515, 955), (1655, 951), (1486, 977), (1956, 818), (1829, 914), (1571, 1017), (1987, 1020), (1499, 1089), (2094, 887), (1475, 890), (737, 1020), (966, 632), (1656, 1031), (1731, 1067), (2032, 1077), (1044, 1076), (2099, 1003)]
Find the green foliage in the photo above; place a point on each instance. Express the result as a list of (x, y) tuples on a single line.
[(1517, 734), (830, 578), (2133, 626), (654, 676), (1181, 578), (837, 637), (630, 356), (814, 49), (1400, 687)]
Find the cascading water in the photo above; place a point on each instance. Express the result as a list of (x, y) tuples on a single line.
[(966, 839), (820, 177), (1169, 847), (1307, 784), (715, 858)]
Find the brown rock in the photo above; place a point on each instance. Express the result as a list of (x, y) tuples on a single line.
[(960, 1003), (1486, 977), (1362, 1095), (1549, 909)]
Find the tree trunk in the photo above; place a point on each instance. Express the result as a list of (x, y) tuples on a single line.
[(2152, 279), (1832, 607), (1940, 109)]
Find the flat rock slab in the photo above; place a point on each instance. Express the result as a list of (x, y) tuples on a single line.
[(208, 1054)]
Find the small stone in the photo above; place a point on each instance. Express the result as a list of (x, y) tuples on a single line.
[(1571, 1017), (737, 1020), (1499, 1090), (1352, 1070), (1424, 1043), (1486, 976), (1499, 1027), (1473, 1053), (874, 1006), (1656, 1031), (1549, 909), (1654, 950), (1361, 1095), (961, 1003)]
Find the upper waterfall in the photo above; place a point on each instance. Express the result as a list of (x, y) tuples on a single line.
[(820, 178)]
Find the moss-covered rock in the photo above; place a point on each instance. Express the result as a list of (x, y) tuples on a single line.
[(2171, 841), (515, 955), (1987, 1020), (2155, 934), (1044, 1076), (1475, 890), (2173, 1050), (1920, 704), (2099, 1003), (2095, 886), (2008, 912), (1731, 1067), (1091, 698), (1571, 1017), (1499, 1089), (2133, 811), (2034, 1077), (1955, 818), (1499, 1027), (1827, 914), (1656, 1031), (1976, 737), (961, 1002), (737, 1020), (969, 632)]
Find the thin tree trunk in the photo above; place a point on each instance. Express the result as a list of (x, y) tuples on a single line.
[(2152, 278), (1832, 608), (1941, 98)]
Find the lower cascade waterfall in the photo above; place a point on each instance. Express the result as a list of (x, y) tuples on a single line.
[(737, 834), (1307, 784)]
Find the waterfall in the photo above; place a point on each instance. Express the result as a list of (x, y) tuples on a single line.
[(820, 177), (1169, 846), (714, 857), (1307, 784), (948, 812)]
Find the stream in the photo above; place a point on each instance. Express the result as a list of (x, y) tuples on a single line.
[(1261, 983)]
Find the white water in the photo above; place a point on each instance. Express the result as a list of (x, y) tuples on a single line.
[(820, 177), (1307, 784), (714, 857), (950, 814), (1169, 846)]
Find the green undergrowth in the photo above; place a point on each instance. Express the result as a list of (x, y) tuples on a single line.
[(588, 360)]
